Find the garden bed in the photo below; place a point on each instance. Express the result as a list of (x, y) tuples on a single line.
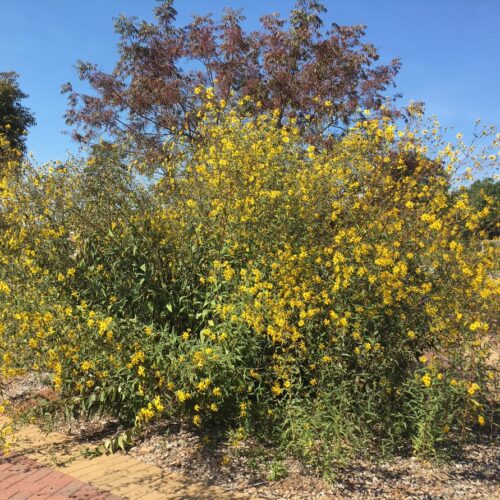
[(248, 468)]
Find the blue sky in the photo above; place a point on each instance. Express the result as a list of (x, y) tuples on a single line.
[(449, 49)]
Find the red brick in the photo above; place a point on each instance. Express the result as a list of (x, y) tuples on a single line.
[(22, 478), (17, 467), (12, 479), (49, 497), (4, 467), (58, 484), (32, 483), (71, 489), (36, 483)]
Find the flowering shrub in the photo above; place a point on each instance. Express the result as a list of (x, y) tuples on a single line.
[(328, 301)]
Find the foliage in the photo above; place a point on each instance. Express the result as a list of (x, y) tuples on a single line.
[(15, 119), (486, 193), (305, 296), (319, 77)]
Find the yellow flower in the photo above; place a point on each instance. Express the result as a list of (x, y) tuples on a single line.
[(243, 409), (104, 324), (473, 388), (145, 414), (86, 366), (182, 396), (276, 389), (474, 326), (197, 420), (480, 420), (203, 384), (426, 380), (158, 404), (209, 92)]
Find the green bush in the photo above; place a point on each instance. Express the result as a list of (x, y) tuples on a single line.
[(327, 302)]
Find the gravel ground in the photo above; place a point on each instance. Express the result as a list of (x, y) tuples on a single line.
[(245, 469), (474, 475)]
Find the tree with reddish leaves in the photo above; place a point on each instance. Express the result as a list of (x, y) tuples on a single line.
[(320, 77)]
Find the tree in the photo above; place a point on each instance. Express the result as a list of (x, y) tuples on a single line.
[(14, 117), (485, 193), (320, 78)]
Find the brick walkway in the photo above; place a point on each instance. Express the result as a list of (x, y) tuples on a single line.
[(22, 478), (54, 466)]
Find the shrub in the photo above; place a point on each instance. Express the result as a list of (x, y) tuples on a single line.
[(326, 301)]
